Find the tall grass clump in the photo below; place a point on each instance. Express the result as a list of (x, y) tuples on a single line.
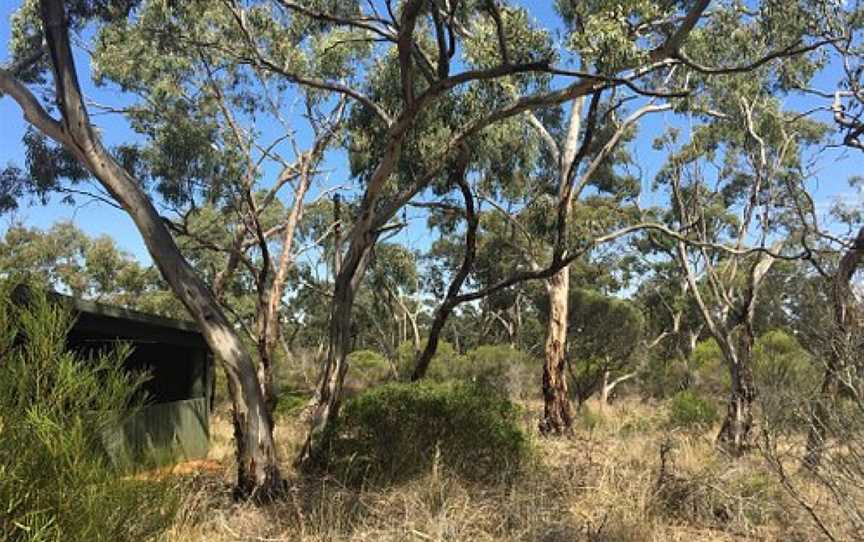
[(399, 431), (56, 408)]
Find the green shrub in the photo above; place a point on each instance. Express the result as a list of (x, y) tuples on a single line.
[(710, 372), (785, 375), (366, 369), (440, 368), (398, 431), (500, 367), (689, 410), (291, 402), (507, 370), (56, 481), (664, 377)]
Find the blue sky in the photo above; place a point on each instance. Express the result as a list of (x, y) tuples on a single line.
[(836, 165)]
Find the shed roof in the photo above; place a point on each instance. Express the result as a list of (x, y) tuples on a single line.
[(114, 322), (110, 322)]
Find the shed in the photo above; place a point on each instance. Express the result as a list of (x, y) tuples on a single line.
[(173, 426)]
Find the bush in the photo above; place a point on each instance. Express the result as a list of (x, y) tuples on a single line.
[(506, 370), (688, 410), (784, 373), (367, 369), (710, 374), (399, 431), (440, 368), (291, 402), (56, 481), (664, 377)]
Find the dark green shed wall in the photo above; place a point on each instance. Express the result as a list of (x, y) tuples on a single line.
[(174, 424), (162, 434)]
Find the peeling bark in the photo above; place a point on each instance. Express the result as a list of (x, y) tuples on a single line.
[(557, 411)]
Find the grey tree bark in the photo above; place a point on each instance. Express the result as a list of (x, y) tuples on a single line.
[(842, 350), (258, 473)]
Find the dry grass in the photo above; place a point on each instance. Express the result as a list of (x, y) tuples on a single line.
[(605, 483)]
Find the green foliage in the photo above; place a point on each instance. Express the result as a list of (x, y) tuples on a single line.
[(65, 258), (56, 481), (665, 377), (785, 374), (603, 326), (710, 374), (291, 402), (604, 29), (398, 431), (687, 410), (440, 369), (505, 369), (499, 367), (366, 369), (779, 360), (603, 333)]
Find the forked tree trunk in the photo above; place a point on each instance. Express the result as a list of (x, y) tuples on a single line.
[(257, 466), (736, 431), (557, 412), (269, 330), (609, 386)]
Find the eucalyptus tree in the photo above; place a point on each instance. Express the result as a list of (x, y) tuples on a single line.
[(596, 144), (673, 324), (203, 158), (603, 45), (396, 308), (493, 29), (847, 99), (422, 120), (842, 367), (224, 143), (729, 186)]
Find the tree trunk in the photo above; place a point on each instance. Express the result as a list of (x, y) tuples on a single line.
[(422, 361), (736, 431), (257, 466), (325, 405), (269, 330), (557, 412), (842, 349), (329, 393), (605, 390), (425, 357), (415, 331)]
